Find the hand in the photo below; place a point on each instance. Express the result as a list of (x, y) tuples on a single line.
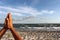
[(10, 25), (6, 23)]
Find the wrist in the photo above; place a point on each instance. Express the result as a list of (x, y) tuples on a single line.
[(11, 28), (5, 28)]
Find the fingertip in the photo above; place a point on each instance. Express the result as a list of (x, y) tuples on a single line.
[(8, 15), (6, 18), (5, 21)]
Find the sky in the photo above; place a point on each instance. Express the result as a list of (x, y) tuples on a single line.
[(31, 11)]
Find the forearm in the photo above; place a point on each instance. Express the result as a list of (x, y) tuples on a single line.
[(2, 32), (15, 34)]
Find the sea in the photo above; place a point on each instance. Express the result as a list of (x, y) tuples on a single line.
[(34, 27)]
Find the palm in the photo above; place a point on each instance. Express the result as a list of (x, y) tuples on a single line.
[(10, 21), (8, 25)]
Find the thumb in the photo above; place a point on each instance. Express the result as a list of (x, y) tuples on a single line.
[(7, 22)]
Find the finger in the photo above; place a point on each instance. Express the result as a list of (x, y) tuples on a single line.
[(7, 15), (5, 22), (10, 17)]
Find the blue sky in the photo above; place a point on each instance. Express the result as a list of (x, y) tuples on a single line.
[(31, 11)]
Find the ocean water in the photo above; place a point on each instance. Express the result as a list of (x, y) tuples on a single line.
[(33, 27)]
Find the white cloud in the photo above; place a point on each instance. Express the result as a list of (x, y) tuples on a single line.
[(25, 10), (47, 11), (51, 12), (18, 14), (3, 12)]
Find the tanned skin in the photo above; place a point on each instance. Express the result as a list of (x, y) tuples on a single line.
[(14, 33), (4, 29), (9, 25)]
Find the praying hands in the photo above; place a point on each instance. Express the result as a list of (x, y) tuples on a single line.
[(9, 25)]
